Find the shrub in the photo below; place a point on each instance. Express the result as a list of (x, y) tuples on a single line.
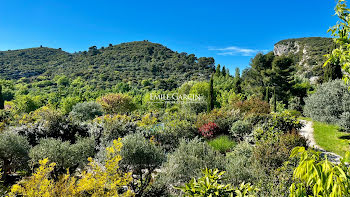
[(344, 121), (240, 166), (295, 104), (240, 129), (319, 177), (222, 118), (52, 124), (64, 154), (253, 105), (210, 184), (28, 103), (272, 153), (116, 103), (330, 100), (173, 128), (13, 152), (68, 103), (188, 160), (99, 180), (284, 122), (86, 111), (222, 143), (209, 130), (109, 127), (141, 157)]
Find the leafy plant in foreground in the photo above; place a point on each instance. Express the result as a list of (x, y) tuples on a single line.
[(210, 184)]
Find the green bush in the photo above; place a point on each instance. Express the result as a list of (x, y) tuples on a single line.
[(117, 103), (344, 121), (52, 124), (64, 154), (240, 166), (86, 111), (330, 100), (240, 129), (222, 143), (188, 160), (272, 153), (13, 152), (109, 127)]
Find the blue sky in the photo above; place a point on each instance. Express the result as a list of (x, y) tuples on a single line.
[(230, 31)]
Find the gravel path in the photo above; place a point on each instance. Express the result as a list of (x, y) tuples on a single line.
[(308, 132)]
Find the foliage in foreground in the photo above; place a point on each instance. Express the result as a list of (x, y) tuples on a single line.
[(316, 177), (100, 180), (210, 184)]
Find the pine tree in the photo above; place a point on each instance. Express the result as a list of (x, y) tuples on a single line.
[(282, 77), (211, 95), (2, 101)]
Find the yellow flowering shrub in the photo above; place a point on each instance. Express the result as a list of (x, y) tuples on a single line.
[(147, 120), (98, 181)]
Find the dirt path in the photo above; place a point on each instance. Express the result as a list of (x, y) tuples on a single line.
[(308, 132)]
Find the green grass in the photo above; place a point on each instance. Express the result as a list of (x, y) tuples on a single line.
[(222, 143), (330, 138)]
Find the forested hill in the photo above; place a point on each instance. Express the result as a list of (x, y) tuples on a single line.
[(128, 62)]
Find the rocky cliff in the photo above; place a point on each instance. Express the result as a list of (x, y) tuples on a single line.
[(308, 54)]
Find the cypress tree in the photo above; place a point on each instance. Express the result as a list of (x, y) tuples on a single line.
[(2, 101), (267, 95), (218, 70), (211, 95), (223, 72), (237, 82), (332, 71), (274, 100)]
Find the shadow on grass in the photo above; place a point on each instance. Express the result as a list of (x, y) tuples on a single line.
[(344, 137)]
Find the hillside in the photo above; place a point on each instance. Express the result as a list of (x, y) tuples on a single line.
[(127, 62), (308, 54)]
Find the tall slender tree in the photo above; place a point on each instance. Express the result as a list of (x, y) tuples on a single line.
[(274, 100), (237, 82), (218, 70), (332, 71), (2, 101), (267, 94), (211, 94), (223, 72)]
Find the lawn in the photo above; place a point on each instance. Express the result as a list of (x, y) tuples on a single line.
[(330, 138)]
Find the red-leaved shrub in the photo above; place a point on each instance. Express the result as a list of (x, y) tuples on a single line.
[(208, 130)]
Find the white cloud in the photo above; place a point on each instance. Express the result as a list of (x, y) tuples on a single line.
[(236, 51)]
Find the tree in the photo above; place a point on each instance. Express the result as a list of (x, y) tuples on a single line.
[(267, 96), (282, 77), (218, 70), (340, 55), (141, 157), (332, 71), (2, 101), (223, 72), (274, 100), (13, 152), (237, 82), (211, 95)]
